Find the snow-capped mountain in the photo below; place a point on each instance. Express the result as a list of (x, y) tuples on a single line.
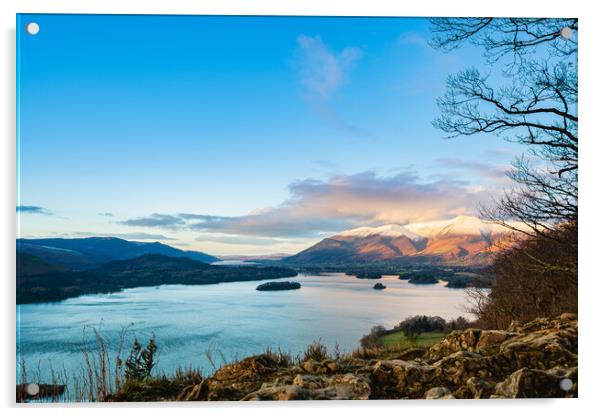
[(462, 238), (389, 230), (460, 225)]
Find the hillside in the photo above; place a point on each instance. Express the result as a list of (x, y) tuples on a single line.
[(146, 270), (461, 240), (88, 253), (30, 265)]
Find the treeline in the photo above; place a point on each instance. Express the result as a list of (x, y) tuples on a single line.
[(537, 277), (413, 327), (148, 270)]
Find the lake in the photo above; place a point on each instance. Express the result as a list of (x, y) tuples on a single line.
[(232, 318)]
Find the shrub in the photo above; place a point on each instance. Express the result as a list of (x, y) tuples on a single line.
[(537, 277), (140, 363), (316, 351), (372, 340)]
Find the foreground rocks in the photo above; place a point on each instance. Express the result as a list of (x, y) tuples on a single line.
[(535, 360)]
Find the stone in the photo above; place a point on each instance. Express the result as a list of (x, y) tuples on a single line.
[(529, 383), (492, 339), (479, 388), (350, 387), (536, 359), (438, 393), (400, 379), (290, 392), (309, 381), (307, 387)]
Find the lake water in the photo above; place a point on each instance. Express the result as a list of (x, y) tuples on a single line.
[(233, 318)]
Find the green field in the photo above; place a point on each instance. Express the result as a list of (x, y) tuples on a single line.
[(424, 340)]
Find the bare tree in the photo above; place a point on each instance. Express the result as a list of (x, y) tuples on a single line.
[(535, 104), (531, 100)]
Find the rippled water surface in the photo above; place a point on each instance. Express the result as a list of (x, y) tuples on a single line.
[(232, 318)]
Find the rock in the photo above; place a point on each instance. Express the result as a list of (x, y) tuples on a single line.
[(235, 381), (400, 379), (278, 393), (536, 359), (568, 317), (310, 382), (305, 387), (455, 341), (379, 286), (350, 387), (528, 383), (490, 340), (479, 388), (320, 367), (542, 348), (438, 393)]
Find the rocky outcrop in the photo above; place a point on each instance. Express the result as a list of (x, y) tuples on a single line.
[(538, 359)]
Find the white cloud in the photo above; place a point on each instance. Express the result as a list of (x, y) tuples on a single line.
[(322, 72)]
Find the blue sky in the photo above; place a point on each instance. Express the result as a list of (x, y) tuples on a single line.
[(239, 135)]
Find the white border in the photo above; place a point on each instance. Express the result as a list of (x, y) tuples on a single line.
[(590, 188)]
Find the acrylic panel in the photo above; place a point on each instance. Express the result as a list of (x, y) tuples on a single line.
[(295, 208)]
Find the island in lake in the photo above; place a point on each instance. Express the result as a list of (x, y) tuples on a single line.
[(278, 286)]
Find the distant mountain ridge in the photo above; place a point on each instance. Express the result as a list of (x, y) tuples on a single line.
[(88, 253), (38, 281), (462, 239)]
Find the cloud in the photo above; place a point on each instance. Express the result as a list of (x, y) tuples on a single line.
[(322, 72), (413, 38), (492, 173), (31, 209), (238, 240), (105, 214), (125, 236), (156, 220), (317, 208), (200, 217)]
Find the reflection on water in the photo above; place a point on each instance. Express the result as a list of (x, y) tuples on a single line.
[(233, 318)]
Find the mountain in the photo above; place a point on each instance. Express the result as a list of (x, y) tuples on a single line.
[(461, 239), (49, 284), (88, 253), (30, 265), (154, 262)]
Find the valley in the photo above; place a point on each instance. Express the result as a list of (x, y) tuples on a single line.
[(456, 251)]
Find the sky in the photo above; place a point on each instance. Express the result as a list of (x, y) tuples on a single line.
[(240, 135)]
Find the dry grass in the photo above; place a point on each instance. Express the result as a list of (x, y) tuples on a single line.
[(102, 377), (316, 351)]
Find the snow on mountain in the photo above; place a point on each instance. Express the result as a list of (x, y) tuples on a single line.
[(389, 230), (460, 225), (463, 238)]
